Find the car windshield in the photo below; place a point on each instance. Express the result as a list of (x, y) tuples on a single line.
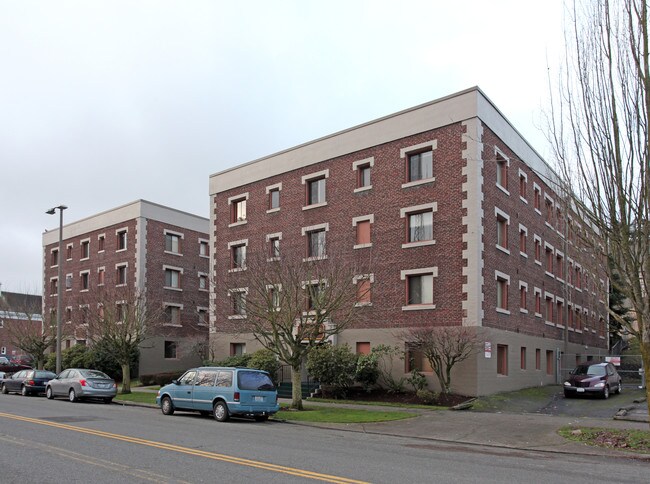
[(93, 374), (591, 370), (254, 380), (44, 374)]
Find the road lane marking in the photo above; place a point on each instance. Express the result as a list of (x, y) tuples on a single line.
[(186, 450)]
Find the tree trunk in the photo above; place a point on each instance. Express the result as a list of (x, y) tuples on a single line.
[(296, 387), (126, 378)]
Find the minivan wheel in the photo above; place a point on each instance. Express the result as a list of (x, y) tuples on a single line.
[(220, 411), (48, 393), (606, 392), (166, 406), (72, 396)]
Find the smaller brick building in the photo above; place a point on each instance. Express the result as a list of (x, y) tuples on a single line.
[(19, 314), (154, 250)]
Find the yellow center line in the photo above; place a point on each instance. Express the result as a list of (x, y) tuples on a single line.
[(186, 450)]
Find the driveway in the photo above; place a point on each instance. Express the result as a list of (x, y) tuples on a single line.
[(549, 400)]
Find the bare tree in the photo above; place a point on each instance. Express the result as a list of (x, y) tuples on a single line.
[(291, 304), (25, 327), (122, 320), (598, 127), (443, 347)]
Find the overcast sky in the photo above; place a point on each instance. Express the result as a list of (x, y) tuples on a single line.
[(106, 102)]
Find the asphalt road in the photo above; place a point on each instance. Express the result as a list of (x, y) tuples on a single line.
[(58, 441)]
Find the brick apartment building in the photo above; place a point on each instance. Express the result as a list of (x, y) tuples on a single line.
[(20, 314), (155, 250), (466, 226)]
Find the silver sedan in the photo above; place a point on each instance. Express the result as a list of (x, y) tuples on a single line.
[(78, 383)]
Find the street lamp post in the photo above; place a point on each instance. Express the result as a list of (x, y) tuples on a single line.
[(59, 291)]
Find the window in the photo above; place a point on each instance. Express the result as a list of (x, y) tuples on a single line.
[(238, 213), (502, 231), (559, 266), (363, 226), (122, 311), (549, 211), (523, 240), (238, 299), (54, 286), (538, 359), (538, 250), (523, 186), (537, 199), (172, 277), (362, 170), (273, 191), (502, 171), (363, 348), (85, 249), (549, 259), (502, 360), (538, 302), (522, 358), (121, 239), (101, 242), (68, 314), (237, 349), (274, 245), (316, 241), (559, 312), (101, 273), (203, 282), (420, 166), (54, 257), (523, 297), (419, 224), (549, 308), (549, 362), (68, 254), (173, 315), (315, 295), (316, 191), (203, 317), (274, 295), (171, 350), (120, 274), (315, 184), (502, 283), (83, 309), (85, 280), (420, 289), (420, 227), (363, 284), (68, 282), (173, 242), (238, 257), (413, 358), (204, 250)]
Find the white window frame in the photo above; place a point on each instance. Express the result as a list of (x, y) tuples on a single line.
[(537, 238), (538, 291), (99, 237), (269, 237), (313, 228), (405, 152), (276, 187), (524, 229), (81, 274), (165, 268), (180, 235), (355, 167), (546, 296), (58, 257), (126, 238), (71, 251), (81, 245), (306, 179), (207, 313), (233, 199), (506, 159), (425, 207), (243, 290), (418, 272), (363, 277), (500, 213), (207, 281), (363, 218), (549, 246), (126, 266), (524, 285), (237, 243), (538, 189), (524, 175), (69, 277), (207, 245), (498, 275), (173, 305)]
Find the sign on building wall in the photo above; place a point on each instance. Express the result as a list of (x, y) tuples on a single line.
[(488, 349)]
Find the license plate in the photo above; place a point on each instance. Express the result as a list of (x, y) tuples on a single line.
[(580, 390), (258, 399)]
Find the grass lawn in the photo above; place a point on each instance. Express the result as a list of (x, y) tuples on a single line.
[(339, 415), (379, 404), (140, 397), (623, 439)]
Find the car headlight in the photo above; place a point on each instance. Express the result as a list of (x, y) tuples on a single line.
[(567, 384), (600, 384)]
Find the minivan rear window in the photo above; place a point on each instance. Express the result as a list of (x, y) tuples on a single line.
[(254, 380)]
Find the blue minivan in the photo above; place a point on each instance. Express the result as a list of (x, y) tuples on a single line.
[(222, 392)]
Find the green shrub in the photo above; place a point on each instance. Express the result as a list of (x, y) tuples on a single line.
[(417, 380), (333, 366), (265, 360), (367, 371), (160, 378), (236, 360), (427, 397), (386, 356)]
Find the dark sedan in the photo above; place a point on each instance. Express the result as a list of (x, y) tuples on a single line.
[(598, 378), (26, 382)]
